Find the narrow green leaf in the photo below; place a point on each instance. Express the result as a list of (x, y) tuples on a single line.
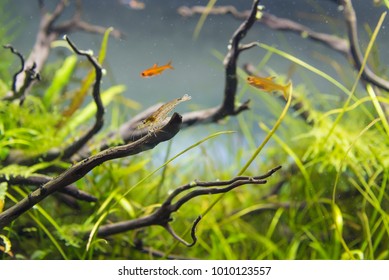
[(202, 19), (104, 45), (61, 79)]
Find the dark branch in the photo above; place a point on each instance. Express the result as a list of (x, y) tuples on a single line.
[(40, 180), (216, 10), (334, 42), (99, 121), (230, 64), (18, 54), (30, 75), (162, 216), (128, 132), (192, 233), (276, 23), (351, 22), (74, 25), (80, 169)]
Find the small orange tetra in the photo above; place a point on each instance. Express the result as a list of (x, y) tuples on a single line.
[(156, 70)]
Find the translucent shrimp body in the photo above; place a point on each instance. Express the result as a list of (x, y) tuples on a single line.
[(155, 120)]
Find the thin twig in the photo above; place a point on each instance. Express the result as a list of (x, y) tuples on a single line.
[(192, 233)]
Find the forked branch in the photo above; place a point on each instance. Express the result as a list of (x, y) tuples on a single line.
[(30, 75), (163, 215)]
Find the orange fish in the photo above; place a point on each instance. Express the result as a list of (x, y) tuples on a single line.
[(268, 85), (156, 70)]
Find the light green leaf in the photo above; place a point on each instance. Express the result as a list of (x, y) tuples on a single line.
[(61, 79)]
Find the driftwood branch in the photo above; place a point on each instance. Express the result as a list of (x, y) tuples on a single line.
[(216, 10), (351, 21), (40, 180), (273, 22), (230, 63), (30, 75), (80, 169), (99, 120), (18, 54), (128, 132), (163, 215)]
